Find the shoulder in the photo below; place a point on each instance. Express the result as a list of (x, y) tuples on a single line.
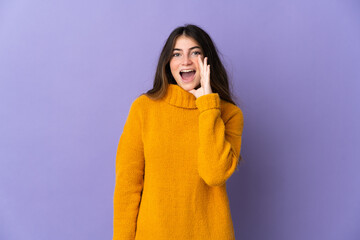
[(141, 104)]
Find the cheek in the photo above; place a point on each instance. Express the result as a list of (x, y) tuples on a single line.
[(173, 66)]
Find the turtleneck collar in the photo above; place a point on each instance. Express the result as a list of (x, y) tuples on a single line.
[(177, 96)]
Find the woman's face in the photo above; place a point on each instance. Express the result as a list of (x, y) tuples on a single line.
[(184, 63)]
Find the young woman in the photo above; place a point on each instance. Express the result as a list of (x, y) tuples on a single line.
[(180, 143)]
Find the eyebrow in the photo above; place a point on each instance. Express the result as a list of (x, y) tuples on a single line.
[(178, 49)]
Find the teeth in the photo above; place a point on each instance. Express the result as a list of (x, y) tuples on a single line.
[(187, 70)]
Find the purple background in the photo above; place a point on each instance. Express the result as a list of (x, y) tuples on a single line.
[(69, 71)]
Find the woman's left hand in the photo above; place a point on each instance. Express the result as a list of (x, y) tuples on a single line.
[(204, 79)]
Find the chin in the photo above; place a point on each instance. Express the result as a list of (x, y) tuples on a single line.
[(189, 86)]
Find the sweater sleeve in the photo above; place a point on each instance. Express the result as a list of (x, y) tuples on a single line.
[(129, 171), (219, 142)]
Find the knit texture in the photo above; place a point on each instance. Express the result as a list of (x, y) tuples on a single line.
[(173, 160)]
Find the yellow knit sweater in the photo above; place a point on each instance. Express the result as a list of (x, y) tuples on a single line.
[(173, 159)]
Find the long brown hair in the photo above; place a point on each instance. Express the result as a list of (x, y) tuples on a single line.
[(218, 77)]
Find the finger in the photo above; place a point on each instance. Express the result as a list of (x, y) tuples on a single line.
[(208, 73), (205, 74), (205, 68), (205, 62), (201, 79), (200, 64), (202, 71)]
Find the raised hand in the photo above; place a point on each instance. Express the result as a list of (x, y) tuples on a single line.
[(204, 80)]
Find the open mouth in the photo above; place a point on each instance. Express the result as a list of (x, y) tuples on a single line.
[(187, 75)]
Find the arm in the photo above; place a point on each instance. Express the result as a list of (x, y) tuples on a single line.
[(129, 171), (219, 142)]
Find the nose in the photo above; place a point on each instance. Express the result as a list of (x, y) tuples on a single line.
[(186, 60)]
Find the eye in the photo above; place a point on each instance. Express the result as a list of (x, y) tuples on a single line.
[(196, 53), (176, 54)]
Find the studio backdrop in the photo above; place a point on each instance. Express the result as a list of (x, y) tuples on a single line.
[(69, 71)]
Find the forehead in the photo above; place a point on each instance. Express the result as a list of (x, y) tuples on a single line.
[(185, 42)]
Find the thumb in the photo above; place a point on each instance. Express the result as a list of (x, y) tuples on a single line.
[(193, 91)]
